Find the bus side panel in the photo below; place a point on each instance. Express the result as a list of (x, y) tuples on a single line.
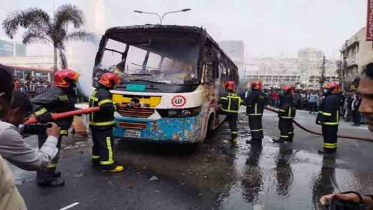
[(178, 130)]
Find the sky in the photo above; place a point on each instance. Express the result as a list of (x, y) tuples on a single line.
[(267, 27)]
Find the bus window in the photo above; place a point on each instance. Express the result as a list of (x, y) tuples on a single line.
[(209, 67), (112, 54)]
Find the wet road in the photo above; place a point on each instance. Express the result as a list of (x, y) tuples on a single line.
[(213, 175)]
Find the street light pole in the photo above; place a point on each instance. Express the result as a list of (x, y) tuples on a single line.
[(161, 17)]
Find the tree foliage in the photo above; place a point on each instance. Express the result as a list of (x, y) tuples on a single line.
[(41, 28)]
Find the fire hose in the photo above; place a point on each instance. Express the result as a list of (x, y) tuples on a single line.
[(66, 114), (320, 134)]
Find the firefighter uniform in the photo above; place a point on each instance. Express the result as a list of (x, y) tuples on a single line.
[(230, 105), (55, 100), (286, 115), (328, 117), (254, 109), (101, 124)]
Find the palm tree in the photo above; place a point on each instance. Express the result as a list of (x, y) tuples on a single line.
[(40, 27)]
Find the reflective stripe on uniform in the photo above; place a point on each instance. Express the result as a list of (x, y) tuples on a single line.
[(102, 123), (229, 110), (258, 114), (41, 111), (289, 112), (63, 132), (234, 132), (284, 136), (52, 165), (95, 157), (225, 98), (331, 123), (256, 108), (105, 102), (93, 98), (110, 153), (258, 130), (330, 145), (326, 114)]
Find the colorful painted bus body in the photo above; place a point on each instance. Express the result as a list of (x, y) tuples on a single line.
[(175, 73)]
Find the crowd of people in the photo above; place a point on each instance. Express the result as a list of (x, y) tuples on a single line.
[(310, 100), (31, 86)]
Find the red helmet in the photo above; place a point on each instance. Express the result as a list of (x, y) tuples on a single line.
[(109, 80), (229, 85), (65, 77), (334, 87), (288, 88), (256, 85)]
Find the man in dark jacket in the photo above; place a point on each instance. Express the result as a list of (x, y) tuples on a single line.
[(102, 123), (329, 116), (254, 109), (230, 104), (60, 98), (286, 114)]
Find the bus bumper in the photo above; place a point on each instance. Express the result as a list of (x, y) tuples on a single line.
[(173, 130)]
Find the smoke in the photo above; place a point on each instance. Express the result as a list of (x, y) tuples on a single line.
[(81, 59)]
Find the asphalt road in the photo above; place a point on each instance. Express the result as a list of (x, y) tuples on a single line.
[(212, 175)]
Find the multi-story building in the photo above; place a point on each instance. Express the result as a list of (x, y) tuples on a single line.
[(304, 71), (356, 53)]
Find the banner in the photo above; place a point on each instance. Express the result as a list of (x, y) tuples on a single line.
[(369, 36)]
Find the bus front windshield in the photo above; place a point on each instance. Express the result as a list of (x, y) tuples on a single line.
[(165, 62)]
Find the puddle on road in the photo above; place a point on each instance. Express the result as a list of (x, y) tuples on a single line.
[(274, 176)]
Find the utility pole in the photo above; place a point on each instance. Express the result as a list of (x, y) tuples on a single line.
[(322, 77), (159, 16)]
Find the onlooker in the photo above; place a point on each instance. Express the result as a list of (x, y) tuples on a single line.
[(9, 196), (312, 102), (275, 99), (303, 99), (355, 109), (12, 146), (297, 98)]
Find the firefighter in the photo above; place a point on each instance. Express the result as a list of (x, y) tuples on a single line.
[(60, 98), (230, 104), (254, 109), (102, 122), (286, 114), (329, 116)]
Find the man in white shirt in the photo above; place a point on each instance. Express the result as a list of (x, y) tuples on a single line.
[(13, 147)]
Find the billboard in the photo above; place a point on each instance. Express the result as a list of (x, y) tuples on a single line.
[(369, 36), (9, 49), (6, 48)]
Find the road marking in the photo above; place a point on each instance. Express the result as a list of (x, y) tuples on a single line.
[(70, 206)]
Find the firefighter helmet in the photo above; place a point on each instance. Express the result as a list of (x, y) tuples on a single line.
[(65, 78), (229, 85), (288, 88), (333, 87), (109, 80), (256, 85)]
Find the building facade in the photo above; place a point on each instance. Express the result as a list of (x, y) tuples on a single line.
[(356, 52)]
